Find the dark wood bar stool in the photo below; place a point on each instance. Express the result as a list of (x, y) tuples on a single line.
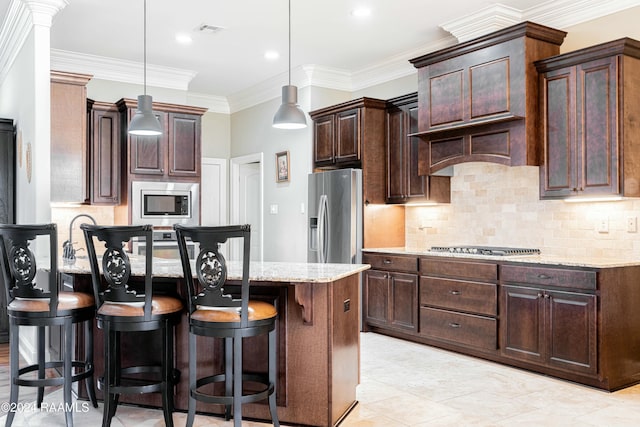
[(43, 307), (214, 313), (123, 308)]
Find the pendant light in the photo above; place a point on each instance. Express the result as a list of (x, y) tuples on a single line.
[(289, 115), (145, 122)]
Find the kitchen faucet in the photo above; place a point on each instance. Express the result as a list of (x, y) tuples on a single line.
[(68, 253)]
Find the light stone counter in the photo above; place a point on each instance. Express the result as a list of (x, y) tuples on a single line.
[(292, 272), (569, 261)]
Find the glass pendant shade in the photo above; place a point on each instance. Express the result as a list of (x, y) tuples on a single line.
[(145, 122), (289, 115)]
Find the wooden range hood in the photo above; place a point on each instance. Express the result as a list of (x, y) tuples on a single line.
[(479, 100)]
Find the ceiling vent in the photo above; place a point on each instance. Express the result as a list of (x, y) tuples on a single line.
[(209, 29)]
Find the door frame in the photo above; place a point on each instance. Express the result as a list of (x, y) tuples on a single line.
[(222, 203), (236, 162)]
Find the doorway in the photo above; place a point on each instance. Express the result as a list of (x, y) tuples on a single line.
[(247, 174)]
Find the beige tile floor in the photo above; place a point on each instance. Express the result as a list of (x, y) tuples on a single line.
[(407, 384)]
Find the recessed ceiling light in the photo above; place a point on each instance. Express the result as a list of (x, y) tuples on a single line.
[(361, 12), (183, 38), (271, 55)]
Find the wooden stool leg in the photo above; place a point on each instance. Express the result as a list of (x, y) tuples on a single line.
[(14, 361), (192, 379), (67, 358)]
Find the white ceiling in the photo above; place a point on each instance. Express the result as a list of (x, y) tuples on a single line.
[(105, 38)]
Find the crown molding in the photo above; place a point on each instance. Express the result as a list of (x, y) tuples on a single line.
[(120, 70), (395, 67), (566, 13), (16, 27), (214, 104), (554, 13)]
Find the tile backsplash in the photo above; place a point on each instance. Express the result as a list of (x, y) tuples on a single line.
[(497, 205)]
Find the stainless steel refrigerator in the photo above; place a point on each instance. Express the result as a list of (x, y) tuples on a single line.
[(335, 217)]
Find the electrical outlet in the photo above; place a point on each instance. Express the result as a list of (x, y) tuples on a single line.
[(632, 224), (603, 225)]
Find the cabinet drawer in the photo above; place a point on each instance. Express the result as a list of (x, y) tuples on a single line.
[(573, 279), (473, 297), (391, 262), (462, 269), (463, 329)]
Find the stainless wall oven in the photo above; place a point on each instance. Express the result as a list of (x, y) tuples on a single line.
[(163, 204), (165, 245)]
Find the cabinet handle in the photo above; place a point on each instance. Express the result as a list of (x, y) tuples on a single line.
[(454, 292), (543, 276), (547, 296), (454, 325), (387, 261), (540, 295)]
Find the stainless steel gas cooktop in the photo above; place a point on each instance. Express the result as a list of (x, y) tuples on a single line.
[(485, 250)]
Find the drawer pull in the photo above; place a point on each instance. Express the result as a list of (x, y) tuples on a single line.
[(387, 261), (543, 276), (454, 292), (454, 325)]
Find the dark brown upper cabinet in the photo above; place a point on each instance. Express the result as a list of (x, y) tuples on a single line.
[(342, 132), (404, 183), (478, 100), (69, 172), (104, 152), (590, 103), (174, 155)]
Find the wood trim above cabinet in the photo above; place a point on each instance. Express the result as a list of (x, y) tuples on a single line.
[(162, 106)]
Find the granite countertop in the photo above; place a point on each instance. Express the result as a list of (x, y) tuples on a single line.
[(293, 272), (569, 261)]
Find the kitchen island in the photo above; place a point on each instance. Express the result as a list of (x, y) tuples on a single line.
[(318, 337)]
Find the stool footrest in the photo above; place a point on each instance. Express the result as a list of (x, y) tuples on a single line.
[(228, 400)]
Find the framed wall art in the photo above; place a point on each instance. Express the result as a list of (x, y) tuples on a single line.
[(282, 166)]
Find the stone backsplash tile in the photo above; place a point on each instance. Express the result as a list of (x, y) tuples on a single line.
[(500, 206)]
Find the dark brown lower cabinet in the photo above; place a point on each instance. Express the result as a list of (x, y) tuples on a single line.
[(579, 323), (550, 327), (391, 300)]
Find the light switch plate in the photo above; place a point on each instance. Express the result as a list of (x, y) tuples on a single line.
[(273, 209)]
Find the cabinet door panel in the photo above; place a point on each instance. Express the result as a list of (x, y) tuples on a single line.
[(105, 157), (404, 301), (522, 323), (572, 331), (376, 297), (446, 98), (148, 152), (597, 109), (559, 177), (184, 145), (348, 131), (395, 155), (323, 140), (416, 183), (489, 89)]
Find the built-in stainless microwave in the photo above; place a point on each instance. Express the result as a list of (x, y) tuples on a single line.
[(165, 203)]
